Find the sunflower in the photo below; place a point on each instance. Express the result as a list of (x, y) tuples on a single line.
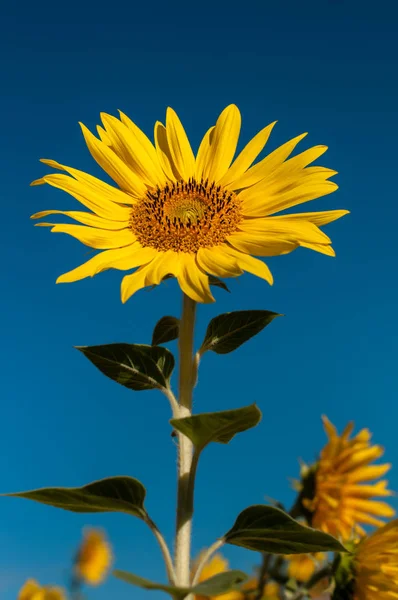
[(343, 483), (376, 565), (31, 590), (94, 558), (185, 216)]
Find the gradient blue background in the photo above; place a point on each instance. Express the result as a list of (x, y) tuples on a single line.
[(326, 67)]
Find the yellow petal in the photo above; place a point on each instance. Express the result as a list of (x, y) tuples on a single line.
[(321, 248), (104, 137), (163, 152), (368, 473), (102, 191), (247, 156), (283, 180), (218, 263), (85, 218), (146, 144), (28, 590), (261, 245), (250, 264), (290, 230), (262, 204), (127, 144), (193, 281), (83, 192), (121, 259), (165, 263), (318, 218), (367, 491), (299, 162), (381, 509), (223, 143), (134, 282), (180, 148), (201, 157), (362, 457), (95, 238), (267, 165), (329, 428), (113, 165)]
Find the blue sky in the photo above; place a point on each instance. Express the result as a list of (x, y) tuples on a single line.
[(326, 67)]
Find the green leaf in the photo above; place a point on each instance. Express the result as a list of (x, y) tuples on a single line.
[(150, 585), (220, 584), (216, 585), (114, 494), (268, 529), (217, 426), (166, 330), (227, 332), (218, 283), (136, 366)]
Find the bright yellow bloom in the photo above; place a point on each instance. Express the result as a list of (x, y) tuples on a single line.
[(302, 566), (31, 590), (94, 558), (376, 565), (218, 564), (176, 214), (345, 484)]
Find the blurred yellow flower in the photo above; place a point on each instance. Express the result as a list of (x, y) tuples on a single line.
[(31, 590), (218, 564), (271, 590), (94, 558), (302, 566), (176, 214), (341, 500), (374, 568)]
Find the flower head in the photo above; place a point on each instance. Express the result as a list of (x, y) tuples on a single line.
[(376, 565), (94, 558), (174, 213), (370, 572), (344, 482), (31, 590)]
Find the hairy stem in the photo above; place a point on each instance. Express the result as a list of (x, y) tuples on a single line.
[(185, 449)]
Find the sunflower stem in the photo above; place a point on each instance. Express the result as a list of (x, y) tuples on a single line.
[(185, 448)]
